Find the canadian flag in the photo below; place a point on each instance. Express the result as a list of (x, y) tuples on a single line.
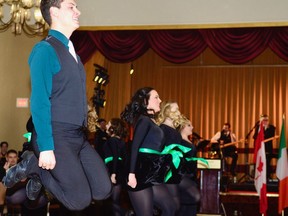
[(260, 170)]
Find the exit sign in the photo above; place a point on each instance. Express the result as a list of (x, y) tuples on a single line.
[(22, 102)]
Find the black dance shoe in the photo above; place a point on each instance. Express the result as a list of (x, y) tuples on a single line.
[(33, 187), (21, 170)]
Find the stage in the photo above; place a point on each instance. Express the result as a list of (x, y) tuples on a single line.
[(225, 195), (243, 199)]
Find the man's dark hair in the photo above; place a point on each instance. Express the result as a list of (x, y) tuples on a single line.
[(228, 124), (11, 151), (45, 9)]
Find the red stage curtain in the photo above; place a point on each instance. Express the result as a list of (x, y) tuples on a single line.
[(279, 42), (177, 46), (83, 45), (236, 46), (120, 46)]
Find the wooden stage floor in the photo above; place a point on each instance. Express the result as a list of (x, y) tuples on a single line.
[(241, 199)]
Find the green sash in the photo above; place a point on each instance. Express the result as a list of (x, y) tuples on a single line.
[(176, 154), (109, 159), (198, 159), (28, 136)]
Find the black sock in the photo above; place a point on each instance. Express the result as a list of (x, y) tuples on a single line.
[(1, 209)]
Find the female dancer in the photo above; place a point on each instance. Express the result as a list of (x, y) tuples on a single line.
[(115, 155), (189, 192), (169, 118), (147, 167)]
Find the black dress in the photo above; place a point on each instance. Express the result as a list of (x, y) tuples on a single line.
[(100, 139), (115, 156), (172, 136), (189, 167), (149, 166)]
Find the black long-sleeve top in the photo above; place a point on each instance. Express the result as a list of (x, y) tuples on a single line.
[(171, 135), (99, 141), (147, 134), (192, 152), (189, 167), (116, 148)]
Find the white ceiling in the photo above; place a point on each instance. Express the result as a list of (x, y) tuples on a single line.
[(105, 14)]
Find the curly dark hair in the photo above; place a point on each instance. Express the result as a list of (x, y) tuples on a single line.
[(137, 105), (118, 127)]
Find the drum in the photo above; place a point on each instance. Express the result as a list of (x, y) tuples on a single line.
[(213, 154), (213, 151)]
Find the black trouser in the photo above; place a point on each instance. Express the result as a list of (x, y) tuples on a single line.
[(80, 174), (233, 154), (269, 157)]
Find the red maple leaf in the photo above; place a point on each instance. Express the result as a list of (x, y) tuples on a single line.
[(260, 166)]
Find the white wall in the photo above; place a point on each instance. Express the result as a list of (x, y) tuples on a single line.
[(103, 14)]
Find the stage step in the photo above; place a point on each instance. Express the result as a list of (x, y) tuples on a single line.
[(272, 186)]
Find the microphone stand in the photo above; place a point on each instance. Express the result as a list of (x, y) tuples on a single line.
[(247, 177)]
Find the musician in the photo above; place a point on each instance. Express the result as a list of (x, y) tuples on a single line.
[(225, 136), (269, 131)]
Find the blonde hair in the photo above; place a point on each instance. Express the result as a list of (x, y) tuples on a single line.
[(165, 112), (183, 121), (92, 119)]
